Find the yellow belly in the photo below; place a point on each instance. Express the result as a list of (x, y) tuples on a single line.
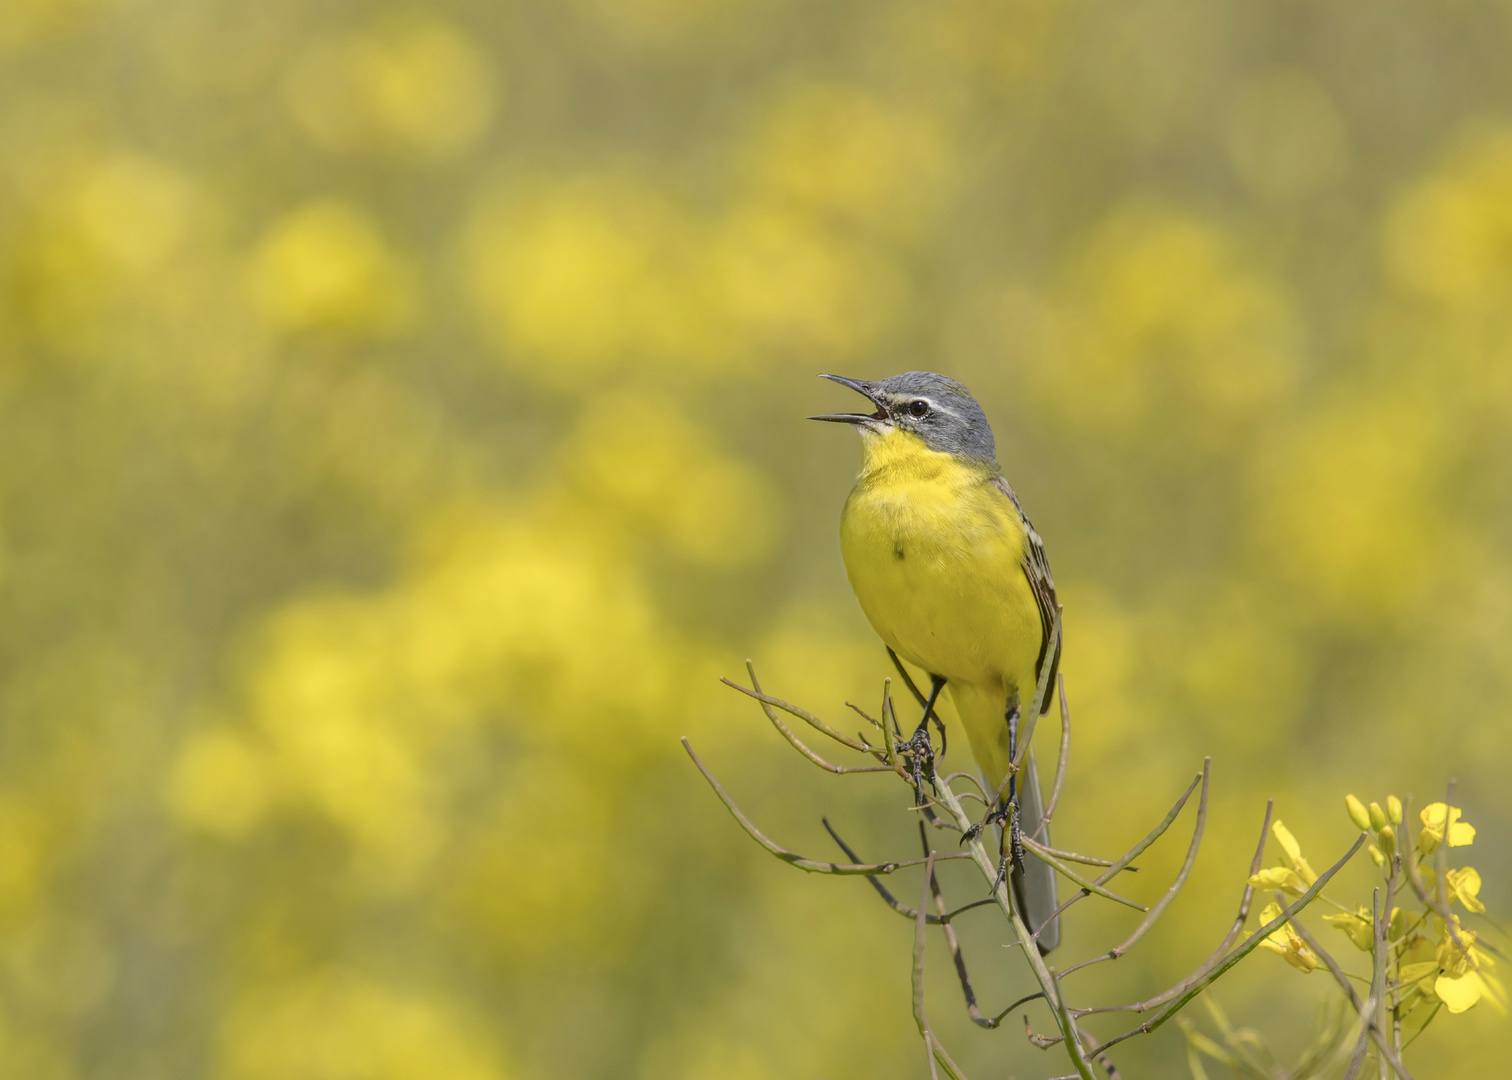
[(934, 553)]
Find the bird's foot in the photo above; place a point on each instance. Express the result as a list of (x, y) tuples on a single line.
[(998, 816), (1013, 855), (920, 753), (1015, 840), (1013, 849)]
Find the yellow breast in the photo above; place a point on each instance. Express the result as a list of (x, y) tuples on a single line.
[(934, 553)]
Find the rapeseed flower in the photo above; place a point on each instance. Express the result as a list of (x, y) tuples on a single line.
[(1295, 876), (1286, 942), (1461, 833)]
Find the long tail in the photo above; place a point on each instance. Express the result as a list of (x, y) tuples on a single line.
[(1034, 885)]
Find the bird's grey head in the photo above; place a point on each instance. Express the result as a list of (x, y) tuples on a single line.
[(938, 410)]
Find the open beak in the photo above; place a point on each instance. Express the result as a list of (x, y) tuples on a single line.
[(854, 418)]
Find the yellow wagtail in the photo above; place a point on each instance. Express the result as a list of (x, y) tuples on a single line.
[(954, 580)]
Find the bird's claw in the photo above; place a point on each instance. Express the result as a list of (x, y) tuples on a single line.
[(1016, 842), (1013, 855), (994, 817), (920, 753), (1002, 875)]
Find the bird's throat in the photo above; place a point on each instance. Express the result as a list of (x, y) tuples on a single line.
[(896, 454)]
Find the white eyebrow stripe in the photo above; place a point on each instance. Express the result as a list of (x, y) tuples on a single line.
[(905, 399)]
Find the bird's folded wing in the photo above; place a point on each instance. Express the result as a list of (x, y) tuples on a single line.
[(1042, 584)]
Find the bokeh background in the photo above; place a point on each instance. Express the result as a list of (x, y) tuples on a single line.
[(401, 429)]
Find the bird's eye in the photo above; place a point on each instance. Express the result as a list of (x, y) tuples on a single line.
[(918, 408)]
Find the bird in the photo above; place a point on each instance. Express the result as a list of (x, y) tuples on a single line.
[(954, 579)]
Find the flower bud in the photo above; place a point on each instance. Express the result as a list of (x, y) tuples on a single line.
[(1394, 809), (1388, 840), (1376, 856), (1357, 812), (1377, 817)]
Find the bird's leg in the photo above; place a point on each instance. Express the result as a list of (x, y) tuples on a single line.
[(1006, 812), (919, 749), (936, 684), (1013, 850), (1017, 842)]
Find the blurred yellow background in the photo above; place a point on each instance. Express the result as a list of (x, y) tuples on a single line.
[(401, 428)]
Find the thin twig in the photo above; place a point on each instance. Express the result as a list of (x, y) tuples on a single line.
[(1044, 1042), (1041, 697), (967, 990), (859, 711), (932, 1045), (882, 890), (813, 866), (1061, 761), (889, 742), (1123, 861), (802, 714), (1042, 853), (1081, 894), (981, 790), (955, 946), (1026, 999), (1085, 860), (892, 901), (797, 743)]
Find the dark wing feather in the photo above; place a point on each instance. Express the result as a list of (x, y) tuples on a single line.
[(1041, 583)]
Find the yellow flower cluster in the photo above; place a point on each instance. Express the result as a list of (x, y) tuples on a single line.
[(1444, 968)]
